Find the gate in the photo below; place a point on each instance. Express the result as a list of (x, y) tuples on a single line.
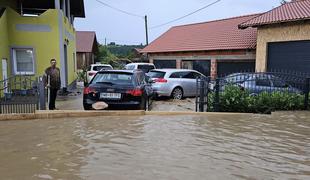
[(21, 94)]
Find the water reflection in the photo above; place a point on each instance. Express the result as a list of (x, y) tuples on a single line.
[(158, 147)]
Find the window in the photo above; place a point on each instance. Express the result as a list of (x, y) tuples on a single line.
[(156, 74), (263, 82), (145, 68), (113, 78), (191, 75), (176, 75), (23, 61), (99, 68)]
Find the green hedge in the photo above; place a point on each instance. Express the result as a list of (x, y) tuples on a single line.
[(232, 99)]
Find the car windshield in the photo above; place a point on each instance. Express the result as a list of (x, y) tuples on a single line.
[(156, 74), (145, 68), (99, 68), (113, 78), (130, 67)]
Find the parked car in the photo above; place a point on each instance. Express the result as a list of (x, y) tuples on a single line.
[(145, 67), (175, 83), (256, 83), (119, 89), (94, 68)]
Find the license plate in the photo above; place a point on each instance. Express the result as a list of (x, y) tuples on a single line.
[(110, 95)]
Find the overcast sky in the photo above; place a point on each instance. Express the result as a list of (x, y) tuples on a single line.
[(124, 29)]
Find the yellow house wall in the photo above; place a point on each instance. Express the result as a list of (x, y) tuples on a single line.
[(287, 32), (4, 42), (45, 44), (71, 49)]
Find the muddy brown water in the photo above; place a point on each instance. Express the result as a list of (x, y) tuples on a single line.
[(158, 147)]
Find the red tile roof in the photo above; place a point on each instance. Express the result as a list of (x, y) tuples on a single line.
[(214, 35), (293, 11), (85, 41)]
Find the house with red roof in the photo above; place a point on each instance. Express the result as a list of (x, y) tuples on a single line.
[(276, 40), (283, 37), (86, 48), (213, 48)]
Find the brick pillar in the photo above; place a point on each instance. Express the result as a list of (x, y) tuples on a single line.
[(151, 60), (213, 68), (179, 62)]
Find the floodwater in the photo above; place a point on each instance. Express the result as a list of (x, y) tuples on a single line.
[(158, 147)]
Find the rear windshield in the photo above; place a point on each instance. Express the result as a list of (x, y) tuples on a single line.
[(156, 74), (145, 68), (130, 67), (99, 68), (113, 78)]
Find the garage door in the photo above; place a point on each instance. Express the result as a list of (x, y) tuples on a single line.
[(292, 56), (161, 64), (225, 68), (202, 66)]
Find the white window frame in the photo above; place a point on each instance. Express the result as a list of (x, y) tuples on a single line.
[(15, 62)]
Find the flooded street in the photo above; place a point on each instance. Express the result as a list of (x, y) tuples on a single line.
[(158, 147)]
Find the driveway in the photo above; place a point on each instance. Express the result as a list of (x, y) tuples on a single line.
[(74, 101)]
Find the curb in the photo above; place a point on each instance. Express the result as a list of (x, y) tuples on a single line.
[(78, 113)]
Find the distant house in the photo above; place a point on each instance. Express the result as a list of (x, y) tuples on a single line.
[(214, 48), (32, 32), (86, 48), (283, 41)]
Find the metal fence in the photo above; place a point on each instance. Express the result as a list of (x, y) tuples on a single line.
[(21, 94), (219, 94)]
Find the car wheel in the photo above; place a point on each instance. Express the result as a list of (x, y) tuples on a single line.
[(177, 93)]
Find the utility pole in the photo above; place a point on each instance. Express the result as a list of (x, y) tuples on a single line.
[(105, 41), (146, 30)]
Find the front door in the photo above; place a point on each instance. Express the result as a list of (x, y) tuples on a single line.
[(4, 73)]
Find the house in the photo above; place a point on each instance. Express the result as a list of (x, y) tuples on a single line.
[(86, 48), (34, 31), (283, 39), (214, 48)]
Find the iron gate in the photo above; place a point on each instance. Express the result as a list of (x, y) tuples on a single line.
[(21, 94)]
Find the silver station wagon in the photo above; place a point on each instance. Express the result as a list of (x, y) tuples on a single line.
[(175, 83)]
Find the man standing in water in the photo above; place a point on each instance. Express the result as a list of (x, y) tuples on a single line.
[(52, 79)]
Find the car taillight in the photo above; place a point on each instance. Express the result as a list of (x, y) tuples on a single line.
[(161, 80), (91, 73), (135, 92), (88, 90)]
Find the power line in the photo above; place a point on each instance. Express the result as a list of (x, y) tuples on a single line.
[(177, 19), (120, 10)]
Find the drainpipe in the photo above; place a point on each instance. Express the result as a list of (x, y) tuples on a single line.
[(57, 4), (21, 8)]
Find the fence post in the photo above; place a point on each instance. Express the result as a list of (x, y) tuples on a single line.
[(217, 95), (42, 94), (201, 95), (306, 103)]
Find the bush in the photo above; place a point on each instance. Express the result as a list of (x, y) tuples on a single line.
[(233, 99)]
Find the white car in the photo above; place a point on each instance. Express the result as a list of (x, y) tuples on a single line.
[(145, 67), (174, 83), (94, 68)]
